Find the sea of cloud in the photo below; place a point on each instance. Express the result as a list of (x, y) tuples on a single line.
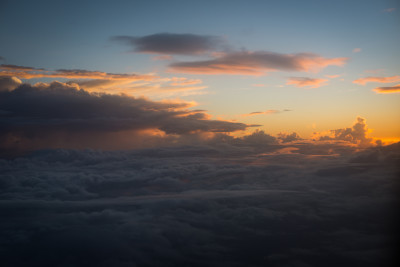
[(214, 204)]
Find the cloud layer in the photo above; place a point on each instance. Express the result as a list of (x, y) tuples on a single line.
[(205, 205), (172, 43), (257, 63)]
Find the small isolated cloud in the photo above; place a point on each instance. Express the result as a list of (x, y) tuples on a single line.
[(171, 43), (267, 112), (333, 76), (257, 63), (2, 58), (389, 10), (356, 50), (357, 134), (388, 89), (306, 82), (369, 79)]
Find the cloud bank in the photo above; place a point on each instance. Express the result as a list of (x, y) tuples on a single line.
[(59, 114)]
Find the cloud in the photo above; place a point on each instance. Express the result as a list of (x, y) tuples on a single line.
[(59, 114), (18, 68), (389, 10), (2, 58), (369, 79), (23, 72), (356, 135), (9, 83), (333, 76), (285, 137), (267, 112), (306, 82), (203, 205), (356, 50), (172, 43), (257, 63), (116, 83), (388, 89), (181, 81)]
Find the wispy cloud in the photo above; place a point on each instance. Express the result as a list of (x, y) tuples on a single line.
[(333, 76), (369, 79), (257, 63), (24, 72), (389, 10), (172, 43), (306, 82), (357, 50), (388, 89), (266, 112)]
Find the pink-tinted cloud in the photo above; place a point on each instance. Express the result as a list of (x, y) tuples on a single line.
[(306, 82), (357, 50), (369, 79), (333, 76), (257, 63), (267, 112), (388, 89)]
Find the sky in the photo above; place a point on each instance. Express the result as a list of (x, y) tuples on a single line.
[(199, 133), (288, 66)]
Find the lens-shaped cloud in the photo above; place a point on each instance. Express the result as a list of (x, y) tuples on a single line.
[(172, 43), (257, 63)]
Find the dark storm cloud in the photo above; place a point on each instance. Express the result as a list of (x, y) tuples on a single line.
[(47, 110), (257, 63), (201, 206), (172, 43)]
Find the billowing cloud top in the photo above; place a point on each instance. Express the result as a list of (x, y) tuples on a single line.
[(257, 63), (45, 110), (172, 43)]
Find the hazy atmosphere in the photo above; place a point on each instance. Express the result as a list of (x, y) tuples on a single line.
[(199, 133)]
